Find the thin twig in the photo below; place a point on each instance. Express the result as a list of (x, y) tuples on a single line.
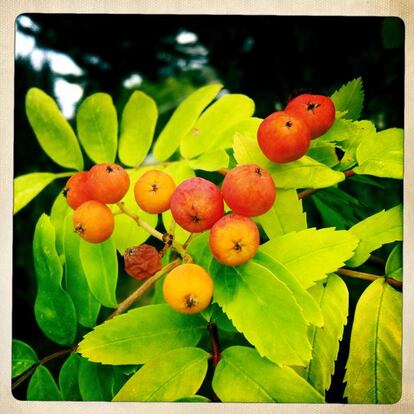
[(189, 240), (215, 344), (124, 305), (30, 371), (368, 276)]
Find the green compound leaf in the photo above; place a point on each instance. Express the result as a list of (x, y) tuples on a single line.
[(126, 232), (247, 127), (382, 154), (23, 357), (242, 375), (86, 305), (363, 130), (179, 171), (341, 130), (54, 309), (264, 309), (393, 267), (350, 98), (168, 377), (303, 173), (97, 125), (96, 381), (183, 120), (140, 335), (210, 161), (60, 209), (28, 186), (376, 230), (205, 135), (323, 152), (311, 254), (373, 373), (42, 386), (285, 216), (100, 266), (52, 130), (69, 378), (137, 128), (332, 296)]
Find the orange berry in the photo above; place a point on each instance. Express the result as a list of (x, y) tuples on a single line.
[(108, 183), (93, 221), (249, 190), (76, 189), (188, 288), (153, 191), (234, 239)]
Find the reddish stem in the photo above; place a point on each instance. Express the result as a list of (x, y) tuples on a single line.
[(215, 345)]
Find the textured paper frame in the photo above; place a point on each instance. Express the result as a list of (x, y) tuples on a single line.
[(10, 9)]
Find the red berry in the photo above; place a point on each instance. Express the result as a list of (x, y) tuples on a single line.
[(283, 137), (76, 190), (141, 262), (317, 111)]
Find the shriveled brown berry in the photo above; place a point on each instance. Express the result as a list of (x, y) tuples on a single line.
[(141, 262)]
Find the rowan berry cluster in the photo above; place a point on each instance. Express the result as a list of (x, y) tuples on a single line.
[(197, 205)]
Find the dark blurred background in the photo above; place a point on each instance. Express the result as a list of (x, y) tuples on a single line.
[(268, 58)]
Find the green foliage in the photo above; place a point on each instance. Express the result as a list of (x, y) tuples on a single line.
[(285, 216), (97, 125), (86, 305), (42, 386), (28, 186), (193, 398), (69, 378), (228, 110), (305, 172), (311, 254), (247, 127), (173, 375), (393, 267), (242, 375), (350, 98), (376, 230), (373, 373), (182, 121), (100, 266), (141, 334), (323, 152), (210, 161), (60, 209), (53, 132), (138, 121), (382, 154), (332, 297), (23, 357), (54, 309)]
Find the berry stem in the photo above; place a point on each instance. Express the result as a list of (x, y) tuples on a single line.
[(368, 276), (215, 344), (123, 306)]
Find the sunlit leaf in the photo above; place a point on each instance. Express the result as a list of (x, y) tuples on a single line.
[(242, 375), (285, 216), (376, 230), (69, 378), (138, 121), (393, 267), (205, 135), (97, 125), (100, 265), (311, 254), (373, 370), (350, 98), (52, 130), (28, 186), (141, 334), (382, 154), (332, 296), (210, 161), (168, 377), (183, 120), (323, 152), (54, 310)]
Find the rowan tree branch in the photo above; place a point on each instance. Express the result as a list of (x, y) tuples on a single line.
[(368, 276)]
